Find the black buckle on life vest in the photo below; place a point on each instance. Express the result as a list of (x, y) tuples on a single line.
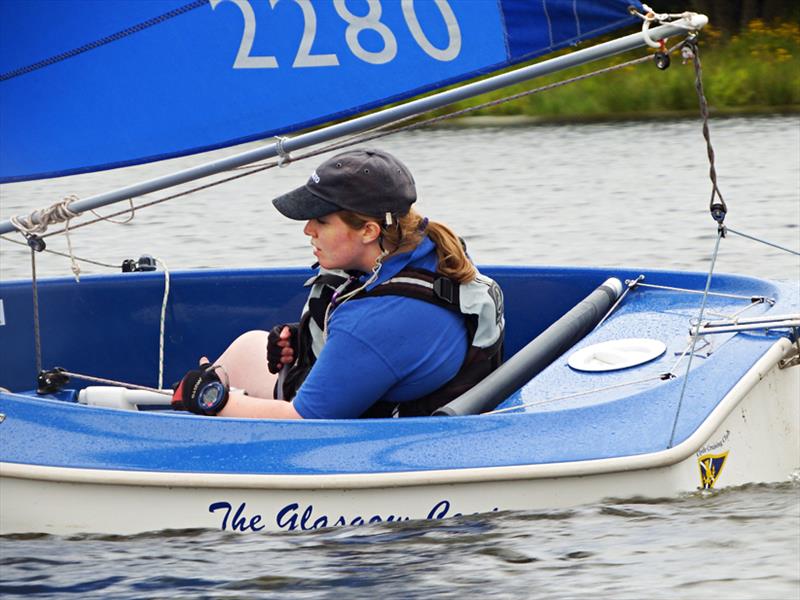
[(446, 290)]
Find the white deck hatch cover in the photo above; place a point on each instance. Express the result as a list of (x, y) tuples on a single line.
[(616, 354)]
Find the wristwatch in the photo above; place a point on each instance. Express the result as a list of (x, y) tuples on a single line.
[(212, 397)]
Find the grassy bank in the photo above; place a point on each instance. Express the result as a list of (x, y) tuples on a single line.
[(755, 71)]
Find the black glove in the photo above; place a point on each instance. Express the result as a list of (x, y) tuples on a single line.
[(274, 351), (200, 392)]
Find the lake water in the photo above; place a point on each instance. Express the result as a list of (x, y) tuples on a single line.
[(633, 194), (593, 194)]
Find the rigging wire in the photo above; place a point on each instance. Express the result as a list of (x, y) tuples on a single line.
[(718, 294), (165, 199), (392, 128), (691, 50), (65, 255), (755, 239), (575, 395), (695, 337), (134, 386), (718, 211)]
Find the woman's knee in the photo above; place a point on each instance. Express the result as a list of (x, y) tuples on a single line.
[(254, 336), (254, 341), (245, 362)]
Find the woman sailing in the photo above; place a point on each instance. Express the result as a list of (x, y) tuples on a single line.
[(398, 320)]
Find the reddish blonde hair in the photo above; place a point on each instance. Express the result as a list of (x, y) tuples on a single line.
[(408, 232)]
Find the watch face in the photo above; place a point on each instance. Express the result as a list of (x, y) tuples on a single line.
[(210, 395)]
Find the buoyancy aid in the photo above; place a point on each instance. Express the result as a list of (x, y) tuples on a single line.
[(479, 301)]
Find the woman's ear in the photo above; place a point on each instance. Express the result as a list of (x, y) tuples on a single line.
[(371, 232)]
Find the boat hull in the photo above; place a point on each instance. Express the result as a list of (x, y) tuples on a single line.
[(751, 436)]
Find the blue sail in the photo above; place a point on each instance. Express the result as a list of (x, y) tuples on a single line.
[(87, 85)]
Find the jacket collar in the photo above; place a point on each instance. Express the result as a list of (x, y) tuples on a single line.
[(424, 253)]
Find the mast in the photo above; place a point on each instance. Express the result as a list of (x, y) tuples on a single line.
[(691, 22)]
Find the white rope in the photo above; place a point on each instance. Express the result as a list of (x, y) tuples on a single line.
[(74, 267), (132, 214), (161, 337), (38, 221), (162, 323), (283, 156), (649, 17)]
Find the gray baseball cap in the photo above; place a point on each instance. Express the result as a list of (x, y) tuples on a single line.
[(367, 181)]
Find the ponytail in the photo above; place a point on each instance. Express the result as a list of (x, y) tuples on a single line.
[(407, 232), (453, 260)]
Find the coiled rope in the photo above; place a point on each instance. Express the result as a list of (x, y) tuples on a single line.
[(39, 220)]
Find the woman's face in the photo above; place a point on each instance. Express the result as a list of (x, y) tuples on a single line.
[(338, 246)]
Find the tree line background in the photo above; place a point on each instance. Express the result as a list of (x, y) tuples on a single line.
[(732, 16)]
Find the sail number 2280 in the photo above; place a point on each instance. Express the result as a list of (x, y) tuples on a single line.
[(355, 25)]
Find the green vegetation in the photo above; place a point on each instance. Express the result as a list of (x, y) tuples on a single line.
[(754, 70)]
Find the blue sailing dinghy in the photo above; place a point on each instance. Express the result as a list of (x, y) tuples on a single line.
[(619, 384)]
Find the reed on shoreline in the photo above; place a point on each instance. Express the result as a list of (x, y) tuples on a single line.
[(757, 70)]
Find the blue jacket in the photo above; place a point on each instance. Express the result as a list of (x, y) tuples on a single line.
[(390, 348)]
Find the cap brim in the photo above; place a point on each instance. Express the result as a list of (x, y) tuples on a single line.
[(301, 205)]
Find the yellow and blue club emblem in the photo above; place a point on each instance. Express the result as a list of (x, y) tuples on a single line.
[(710, 468)]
